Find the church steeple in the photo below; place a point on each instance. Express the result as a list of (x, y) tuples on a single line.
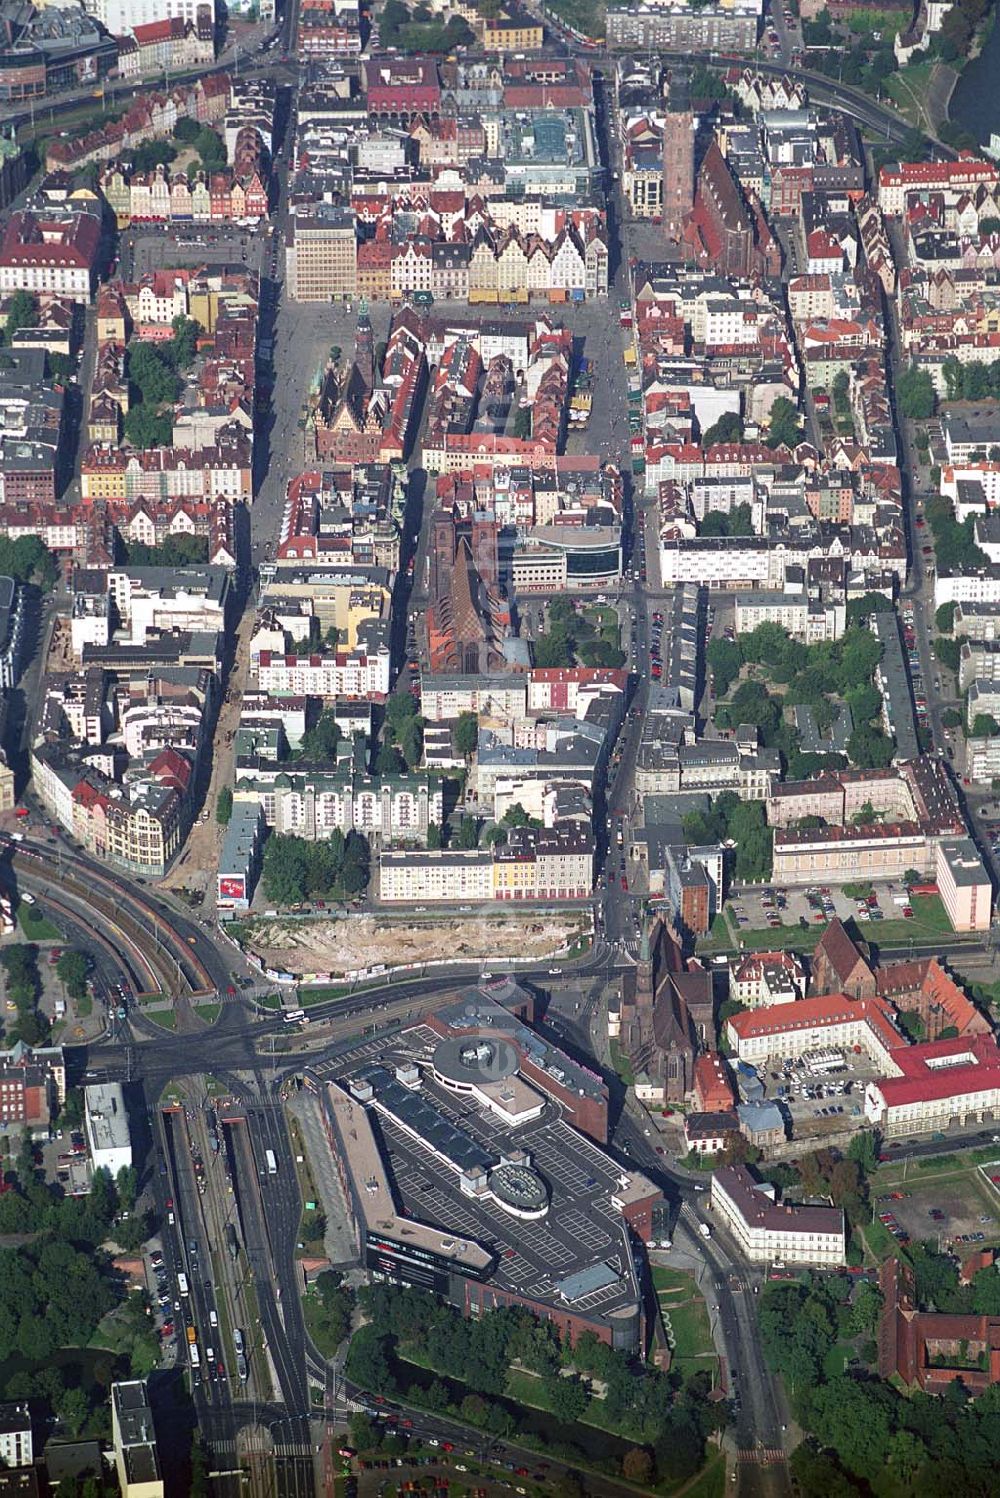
[(364, 346)]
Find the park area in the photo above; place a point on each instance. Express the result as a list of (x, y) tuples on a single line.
[(685, 1320)]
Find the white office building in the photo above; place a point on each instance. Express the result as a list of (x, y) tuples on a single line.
[(106, 1120)]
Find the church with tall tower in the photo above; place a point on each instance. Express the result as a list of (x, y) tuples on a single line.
[(667, 1014)]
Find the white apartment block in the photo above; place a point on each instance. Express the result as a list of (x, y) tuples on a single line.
[(16, 1448), (444, 698), (767, 1232), (431, 877), (122, 16), (357, 674), (965, 886), (315, 806)]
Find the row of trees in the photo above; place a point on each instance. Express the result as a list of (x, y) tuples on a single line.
[(954, 543), (20, 968), (296, 870), (173, 551), (402, 736), (669, 1423), (972, 382), (28, 560), (572, 639)]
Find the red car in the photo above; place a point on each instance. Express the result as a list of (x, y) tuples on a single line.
[(624, 883)]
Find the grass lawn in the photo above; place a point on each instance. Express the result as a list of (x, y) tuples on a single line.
[(621, 1064), (895, 1172), (719, 938), (879, 1241), (36, 926), (683, 1306), (528, 1389), (166, 1018), (836, 1358), (84, 1006), (671, 1279), (907, 87), (208, 1012), (711, 1480), (585, 15), (930, 920)]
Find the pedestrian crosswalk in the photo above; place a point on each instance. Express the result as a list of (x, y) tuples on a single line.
[(761, 1456)]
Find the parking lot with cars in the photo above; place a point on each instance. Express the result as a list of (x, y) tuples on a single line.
[(961, 1213), (822, 1092), (775, 908)]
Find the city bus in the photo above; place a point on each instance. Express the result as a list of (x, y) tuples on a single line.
[(272, 1164), (195, 1355), (182, 1284)]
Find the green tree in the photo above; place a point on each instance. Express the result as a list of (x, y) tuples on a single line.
[(467, 836), (22, 312), (224, 806), (285, 870), (951, 718), (860, 609), (567, 1398), (728, 428), (783, 424), (389, 761), (321, 740), (522, 423), (465, 734), (183, 344), (726, 660), (71, 970), (411, 741), (210, 148), (434, 836), (73, 1410), (368, 1361), (869, 749), (173, 551), (915, 394), (944, 617), (146, 428), (865, 1309), (984, 726), (151, 375), (863, 1150), (948, 651)]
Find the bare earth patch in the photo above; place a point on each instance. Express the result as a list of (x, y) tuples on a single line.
[(307, 948)]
